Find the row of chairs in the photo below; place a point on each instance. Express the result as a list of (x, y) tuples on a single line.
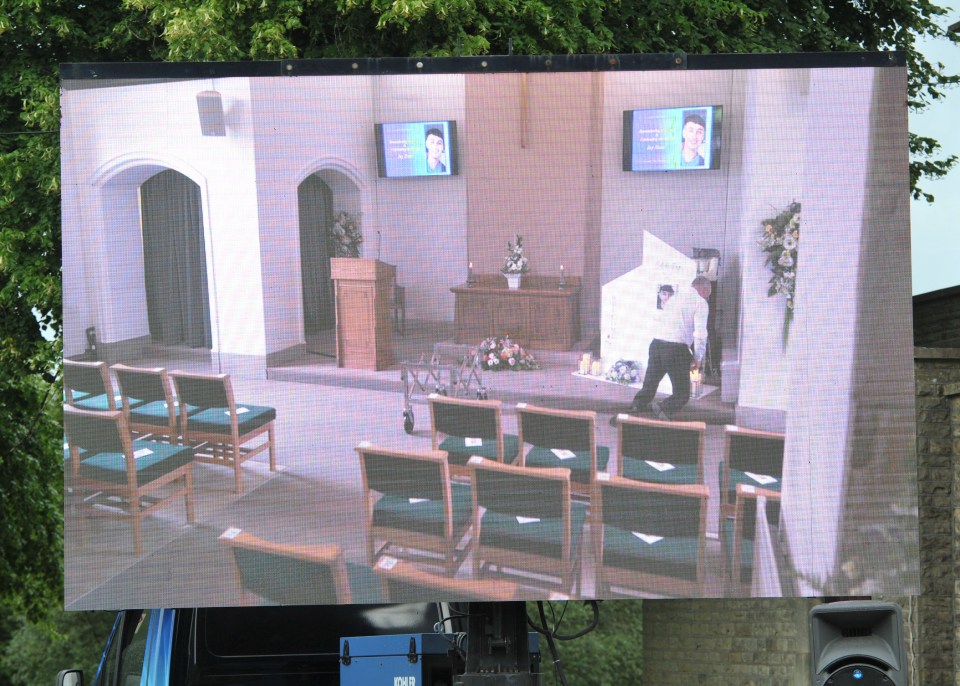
[(132, 452), (648, 450), (177, 407), (521, 521), (302, 574)]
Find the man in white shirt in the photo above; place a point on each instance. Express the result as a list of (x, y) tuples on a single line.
[(682, 326)]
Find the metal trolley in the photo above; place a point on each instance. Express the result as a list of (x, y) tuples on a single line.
[(456, 379)]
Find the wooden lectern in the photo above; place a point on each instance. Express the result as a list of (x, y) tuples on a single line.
[(363, 289)]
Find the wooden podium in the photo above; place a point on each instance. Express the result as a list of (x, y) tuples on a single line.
[(363, 289)]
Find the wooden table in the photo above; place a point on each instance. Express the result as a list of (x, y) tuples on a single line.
[(538, 315)]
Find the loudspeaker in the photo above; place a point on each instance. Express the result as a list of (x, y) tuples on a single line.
[(210, 107), (857, 643)]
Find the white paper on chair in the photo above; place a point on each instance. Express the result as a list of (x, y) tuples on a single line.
[(660, 466), (232, 532), (417, 501), (241, 410), (647, 538), (387, 562), (527, 520), (762, 479), (143, 452), (473, 442), (563, 454)]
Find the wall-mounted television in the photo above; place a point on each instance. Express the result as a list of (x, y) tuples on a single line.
[(672, 138), (420, 148)]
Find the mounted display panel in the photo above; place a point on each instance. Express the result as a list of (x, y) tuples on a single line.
[(295, 372)]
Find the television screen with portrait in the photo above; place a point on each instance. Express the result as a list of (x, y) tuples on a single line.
[(672, 138), (540, 378), (416, 149)]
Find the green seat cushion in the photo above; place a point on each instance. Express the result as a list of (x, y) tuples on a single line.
[(152, 459), (458, 452), (741, 477), (641, 470), (670, 556), (365, 585), (99, 402), (216, 420), (532, 535), (154, 413), (422, 514), (579, 465)]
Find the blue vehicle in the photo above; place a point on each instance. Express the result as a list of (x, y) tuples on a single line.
[(279, 646)]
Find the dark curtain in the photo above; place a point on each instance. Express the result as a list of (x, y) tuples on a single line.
[(175, 263), (315, 201)]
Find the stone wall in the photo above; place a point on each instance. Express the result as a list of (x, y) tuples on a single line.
[(766, 641), (936, 319)]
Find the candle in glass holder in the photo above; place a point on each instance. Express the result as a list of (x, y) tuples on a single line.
[(595, 368), (585, 364), (696, 383)]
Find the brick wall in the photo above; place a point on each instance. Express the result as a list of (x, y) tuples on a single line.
[(766, 641)]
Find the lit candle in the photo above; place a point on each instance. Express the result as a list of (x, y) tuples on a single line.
[(595, 368)]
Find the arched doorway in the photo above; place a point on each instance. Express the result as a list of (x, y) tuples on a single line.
[(315, 203), (175, 262)]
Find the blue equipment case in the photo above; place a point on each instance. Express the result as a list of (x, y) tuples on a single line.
[(402, 659), (399, 660)]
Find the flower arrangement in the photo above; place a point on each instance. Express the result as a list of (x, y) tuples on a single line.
[(780, 240), (499, 354), (515, 262), (625, 372), (345, 235)]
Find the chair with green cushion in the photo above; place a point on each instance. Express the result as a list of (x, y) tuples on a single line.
[(412, 508), (87, 385), (562, 438), (220, 428), (750, 457), (526, 525), (649, 538), (294, 574), (463, 427), (146, 397), (739, 532), (404, 582), (125, 477), (662, 452)]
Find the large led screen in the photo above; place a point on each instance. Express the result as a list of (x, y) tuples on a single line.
[(290, 378)]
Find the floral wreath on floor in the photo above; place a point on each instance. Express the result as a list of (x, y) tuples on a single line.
[(345, 235), (498, 354), (780, 240), (625, 372)]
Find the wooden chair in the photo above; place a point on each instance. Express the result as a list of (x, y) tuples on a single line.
[(526, 525), (87, 385), (219, 427), (738, 534), (146, 397), (650, 538), (288, 574), (463, 427), (663, 452), (562, 438), (125, 476), (750, 457), (404, 583), (412, 508)]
